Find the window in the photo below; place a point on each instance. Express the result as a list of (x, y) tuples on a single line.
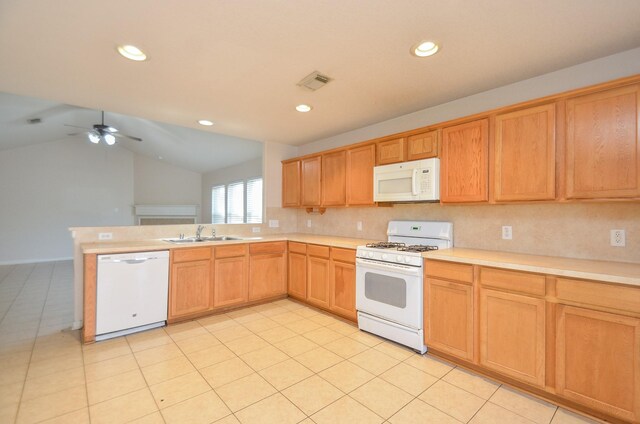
[(237, 202), (218, 210)]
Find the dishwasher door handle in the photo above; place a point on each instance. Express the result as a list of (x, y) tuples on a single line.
[(131, 261)]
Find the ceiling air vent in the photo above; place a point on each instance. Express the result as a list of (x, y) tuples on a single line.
[(314, 80), (34, 121)]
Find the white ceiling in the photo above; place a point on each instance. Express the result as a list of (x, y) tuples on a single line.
[(237, 62), (188, 148)]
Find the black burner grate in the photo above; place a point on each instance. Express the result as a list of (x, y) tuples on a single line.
[(417, 248), (386, 245)]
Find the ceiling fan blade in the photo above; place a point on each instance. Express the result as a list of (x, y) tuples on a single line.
[(77, 133), (75, 126), (127, 136)]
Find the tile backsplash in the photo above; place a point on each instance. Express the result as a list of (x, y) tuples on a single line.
[(575, 230)]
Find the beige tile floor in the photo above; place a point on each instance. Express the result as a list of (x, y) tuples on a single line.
[(280, 362)]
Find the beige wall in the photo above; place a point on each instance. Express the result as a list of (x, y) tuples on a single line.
[(160, 183), (570, 229)]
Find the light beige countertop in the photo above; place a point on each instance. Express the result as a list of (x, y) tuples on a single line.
[(613, 272), (159, 244)]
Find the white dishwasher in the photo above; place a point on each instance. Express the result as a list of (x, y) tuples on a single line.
[(132, 293)]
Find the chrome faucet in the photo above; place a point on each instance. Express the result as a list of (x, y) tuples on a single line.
[(199, 232)]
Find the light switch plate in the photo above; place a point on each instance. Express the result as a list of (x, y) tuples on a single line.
[(105, 236), (255, 229), (359, 225), (618, 238), (507, 232), (308, 223), (274, 223)]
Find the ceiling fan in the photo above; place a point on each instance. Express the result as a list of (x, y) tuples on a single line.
[(102, 132)]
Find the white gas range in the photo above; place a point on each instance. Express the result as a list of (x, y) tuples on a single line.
[(389, 280)]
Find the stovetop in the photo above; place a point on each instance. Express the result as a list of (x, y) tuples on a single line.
[(401, 247)]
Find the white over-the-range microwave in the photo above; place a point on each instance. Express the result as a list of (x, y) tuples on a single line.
[(416, 181)]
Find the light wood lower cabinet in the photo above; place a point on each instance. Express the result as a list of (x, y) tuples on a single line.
[(448, 324), (512, 335), (191, 284), (231, 279), (318, 274), (598, 360), (343, 283), (297, 273), (267, 270)]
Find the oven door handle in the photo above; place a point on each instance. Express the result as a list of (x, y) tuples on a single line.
[(398, 269)]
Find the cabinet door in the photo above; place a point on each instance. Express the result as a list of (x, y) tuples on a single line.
[(423, 146), (230, 281), (391, 151), (524, 151), (334, 179), (448, 312), (598, 360), (343, 283), (190, 290), (464, 162), (267, 276), (360, 163), (298, 275), (291, 184), (311, 189), (512, 335), (318, 281), (603, 150)]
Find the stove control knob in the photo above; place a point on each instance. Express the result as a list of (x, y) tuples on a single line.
[(399, 258), (407, 259), (384, 256), (370, 254)]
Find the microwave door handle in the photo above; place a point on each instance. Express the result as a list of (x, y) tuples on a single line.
[(414, 182)]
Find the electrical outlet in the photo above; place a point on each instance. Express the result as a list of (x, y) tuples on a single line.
[(308, 223), (105, 236), (618, 238), (507, 232), (359, 225), (274, 223), (255, 229)]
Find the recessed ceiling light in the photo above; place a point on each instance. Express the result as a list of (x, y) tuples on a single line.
[(424, 49), (303, 108), (205, 122), (132, 52)]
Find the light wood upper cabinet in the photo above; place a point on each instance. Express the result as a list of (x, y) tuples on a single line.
[(602, 147), (190, 288), (297, 274), (311, 181), (598, 360), (334, 178), (391, 151), (267, 270), (423, 146), (524, 154), (343, 283), (464, 162), (291, 175), (360, 163), (231, 277)]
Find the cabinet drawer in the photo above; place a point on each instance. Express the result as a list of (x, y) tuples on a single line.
[(513, 281), (271, 247), (599, 294), (449, 271), (296, 247), (319, 251), (344, 255), (197, 254), (231, 251)]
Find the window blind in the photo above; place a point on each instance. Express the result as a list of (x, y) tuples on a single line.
[(235, 203), (254, 201), (218, 209)]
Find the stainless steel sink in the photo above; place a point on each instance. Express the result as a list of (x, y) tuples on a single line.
[(200, 240)]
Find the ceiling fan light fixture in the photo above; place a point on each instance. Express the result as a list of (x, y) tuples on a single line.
[(110, 139), (424, 49), (132, 52), (205, 122), (111, 129), (94, 137), (303, 108)]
